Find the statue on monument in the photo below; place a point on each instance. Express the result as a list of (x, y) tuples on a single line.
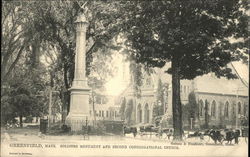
[(83, 9)]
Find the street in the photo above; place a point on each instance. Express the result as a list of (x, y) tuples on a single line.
[(31, 144)]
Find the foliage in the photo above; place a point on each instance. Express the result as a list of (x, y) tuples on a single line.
[(160, 92), (18, 35), (157, 110), (136, 73), (193, 110), (157, 120), (55, 24), (128, 111), (190, 110), (193, 35), (22, 97), (122, 109)]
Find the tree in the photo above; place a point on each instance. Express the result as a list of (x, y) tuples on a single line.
[(160, 96), (122, 109), (22, 99), (128, 111), (193, 35), (55, 24), (190, 110), (18, 35), (158, 109), (193, 110), (136, 78)]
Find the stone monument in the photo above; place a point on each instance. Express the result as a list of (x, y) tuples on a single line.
[(79, 97)]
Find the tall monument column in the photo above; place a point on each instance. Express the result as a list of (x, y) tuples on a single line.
[(79, 96)]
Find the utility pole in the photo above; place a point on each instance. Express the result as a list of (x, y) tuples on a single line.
[(237, 99), (236, 107), (93, 105), (51, 91), (191, 123), (50, 106)]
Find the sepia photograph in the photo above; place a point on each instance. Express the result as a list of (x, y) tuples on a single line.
[(114, 78)]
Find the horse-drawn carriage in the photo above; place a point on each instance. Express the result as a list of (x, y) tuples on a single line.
[(244, 133)]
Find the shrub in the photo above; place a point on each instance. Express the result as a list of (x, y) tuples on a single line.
[(65, 128)]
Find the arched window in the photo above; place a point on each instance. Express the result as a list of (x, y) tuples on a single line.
[(201, 108), (239, 108), (213, 109), (226, 109)]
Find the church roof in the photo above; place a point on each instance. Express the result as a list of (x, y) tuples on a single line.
[(211, 84)]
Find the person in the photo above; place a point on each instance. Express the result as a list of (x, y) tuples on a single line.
[(236, 136)]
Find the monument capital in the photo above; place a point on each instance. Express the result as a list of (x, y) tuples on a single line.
[(81, 18)]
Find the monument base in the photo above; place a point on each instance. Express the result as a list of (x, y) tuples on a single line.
[(79, 113), (78, 121)]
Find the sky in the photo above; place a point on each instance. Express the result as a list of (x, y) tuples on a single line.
[(118, 83)]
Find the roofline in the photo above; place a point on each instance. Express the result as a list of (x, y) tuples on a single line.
[(221, 94)]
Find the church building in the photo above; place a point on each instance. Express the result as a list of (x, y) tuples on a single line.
[(219, 102)]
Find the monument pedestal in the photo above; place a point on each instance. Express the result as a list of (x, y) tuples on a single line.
[(79, 109)]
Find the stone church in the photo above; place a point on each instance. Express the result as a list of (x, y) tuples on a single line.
[(224, 101)]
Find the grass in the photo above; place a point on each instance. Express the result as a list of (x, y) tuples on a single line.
[(29, 131)]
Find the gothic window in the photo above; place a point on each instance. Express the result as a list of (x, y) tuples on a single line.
[(184, 89), (107, 113), (226, 109)]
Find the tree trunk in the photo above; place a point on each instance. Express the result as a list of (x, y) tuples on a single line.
[(21, 121), (65, 108), (176, 100)]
